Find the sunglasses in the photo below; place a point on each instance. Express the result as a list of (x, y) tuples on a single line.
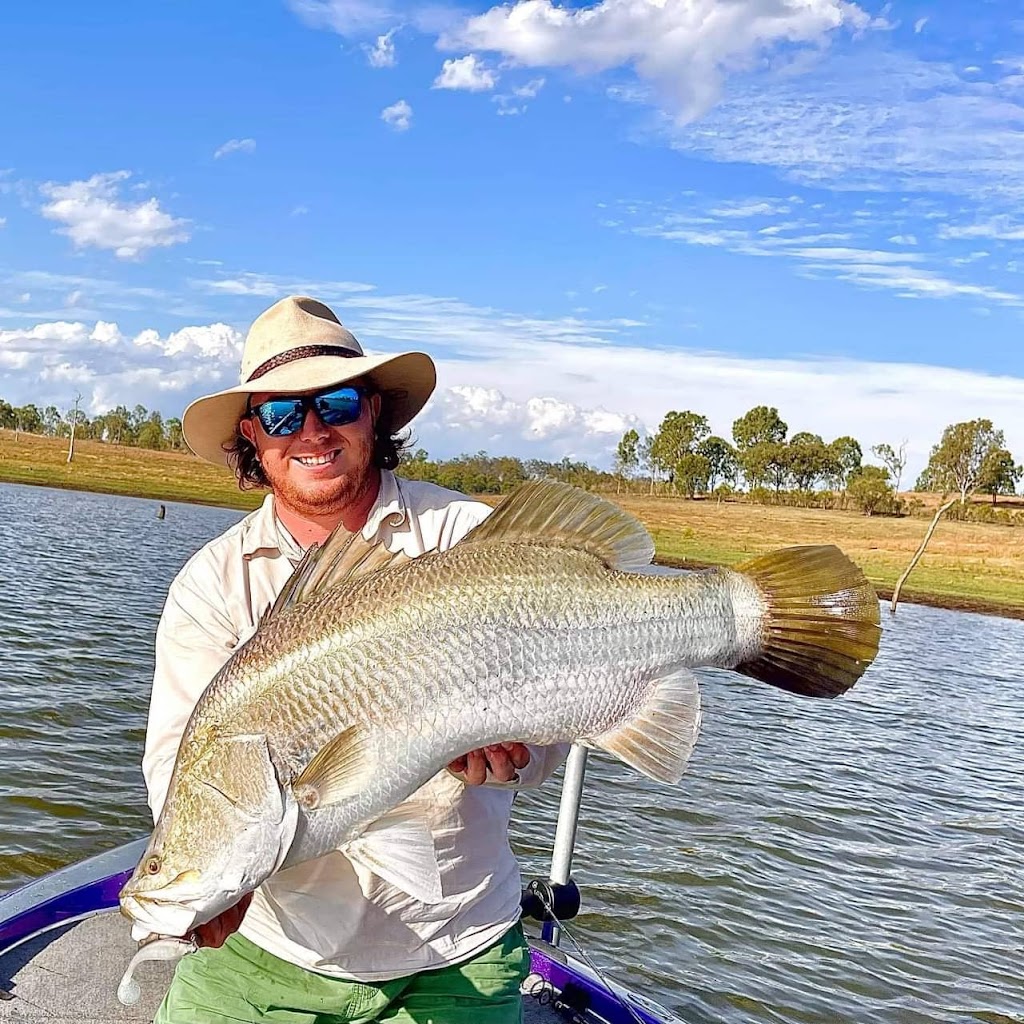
[(336, 407)]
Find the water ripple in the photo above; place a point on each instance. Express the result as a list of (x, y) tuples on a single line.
[(856, 861)]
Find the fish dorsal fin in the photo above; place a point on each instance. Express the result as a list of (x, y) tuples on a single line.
[(549, 511), (342, 556)]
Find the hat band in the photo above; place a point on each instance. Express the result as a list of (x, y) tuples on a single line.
[(302, 352)]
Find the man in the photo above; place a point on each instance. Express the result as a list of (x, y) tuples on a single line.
[(315, 421)]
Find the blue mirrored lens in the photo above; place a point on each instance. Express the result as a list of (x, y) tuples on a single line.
[(336, 408), (283, 416)]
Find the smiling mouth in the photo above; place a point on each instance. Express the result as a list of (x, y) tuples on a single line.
[(317, 460)]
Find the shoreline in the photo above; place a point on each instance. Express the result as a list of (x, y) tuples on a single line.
[(946, 602)]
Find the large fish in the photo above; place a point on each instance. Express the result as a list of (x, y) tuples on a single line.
[(373, 672)]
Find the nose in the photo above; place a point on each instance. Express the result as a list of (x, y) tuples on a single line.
[(312, 426)]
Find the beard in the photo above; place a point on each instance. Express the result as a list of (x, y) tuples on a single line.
[(317, 499)]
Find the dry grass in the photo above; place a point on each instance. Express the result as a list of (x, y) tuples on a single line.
[(967, 565), (113, 469)]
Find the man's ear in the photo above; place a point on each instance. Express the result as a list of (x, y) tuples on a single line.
[(247, 430), (375, 408)]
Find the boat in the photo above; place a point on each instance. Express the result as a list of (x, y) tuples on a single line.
[(65, 949)]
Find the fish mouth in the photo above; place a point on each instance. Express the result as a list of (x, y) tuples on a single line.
[(159, 917)]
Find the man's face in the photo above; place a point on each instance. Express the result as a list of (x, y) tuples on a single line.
[(319, 470)]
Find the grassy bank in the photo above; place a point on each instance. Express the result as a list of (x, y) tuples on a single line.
[(968, 565)]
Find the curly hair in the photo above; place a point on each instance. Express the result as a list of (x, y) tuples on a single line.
[(388, 448)]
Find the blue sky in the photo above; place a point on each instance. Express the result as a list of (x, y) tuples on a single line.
[(589, 214)]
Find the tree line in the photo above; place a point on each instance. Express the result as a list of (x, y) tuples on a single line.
[(682, 457), (137, 427), (971, 457)]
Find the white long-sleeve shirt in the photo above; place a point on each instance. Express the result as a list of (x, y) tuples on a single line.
[(329, 915)]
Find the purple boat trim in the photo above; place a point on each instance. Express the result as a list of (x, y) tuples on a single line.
[(93, 886)]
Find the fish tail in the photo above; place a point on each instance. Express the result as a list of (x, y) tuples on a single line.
[(822, 626)]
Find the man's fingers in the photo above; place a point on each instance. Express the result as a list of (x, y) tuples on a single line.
[(500, 763), (476, 768), (519, 753)]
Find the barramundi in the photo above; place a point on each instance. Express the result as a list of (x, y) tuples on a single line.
[(372, 672)]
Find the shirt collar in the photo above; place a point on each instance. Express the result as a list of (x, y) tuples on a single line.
[(262, 533)]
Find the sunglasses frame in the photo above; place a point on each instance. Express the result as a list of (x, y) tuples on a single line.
[(305, 404)]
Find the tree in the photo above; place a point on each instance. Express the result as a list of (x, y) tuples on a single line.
[(627, 458), (846, 459), (999, 474), (691, 474), (870, 490), (676, 439), (894, 460), (175, 438), (761, 424), (7, 415), (760, 437), (646, 459), (721, 456), (28, 418), (807, 460), (52, 421), (151, 432), (958, 461)]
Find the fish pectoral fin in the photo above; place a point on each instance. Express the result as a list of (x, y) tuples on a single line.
[(336, 772), (659, 740), (400, 848)]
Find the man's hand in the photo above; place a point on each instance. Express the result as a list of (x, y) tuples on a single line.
[(503, 759), (215, 932)]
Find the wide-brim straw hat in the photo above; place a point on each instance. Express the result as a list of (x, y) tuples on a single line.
[(296, 346)]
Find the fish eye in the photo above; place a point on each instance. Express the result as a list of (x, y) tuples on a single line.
[(152, 865)]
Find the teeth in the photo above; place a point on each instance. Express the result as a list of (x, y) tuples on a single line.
[(316, 460)]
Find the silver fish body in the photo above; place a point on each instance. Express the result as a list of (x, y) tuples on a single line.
[(536, 628)]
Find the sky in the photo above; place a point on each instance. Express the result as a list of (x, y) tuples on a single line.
[(589, 214)]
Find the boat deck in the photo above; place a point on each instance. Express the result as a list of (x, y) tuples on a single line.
[(70, 974)]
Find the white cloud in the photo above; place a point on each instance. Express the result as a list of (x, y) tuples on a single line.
[(1003, 228), (599, 377), (398, 116), (346, 17), (919, 25), (735, 227), (529, 90), (382, 53), (683, 50), (93, 214), (512, 103), (235, 146), (468, 73), (266, 286), (870, 121)]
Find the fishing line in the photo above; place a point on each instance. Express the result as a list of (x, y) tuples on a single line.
[(586, 959)]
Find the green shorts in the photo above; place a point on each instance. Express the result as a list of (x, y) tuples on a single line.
[(241, 982)]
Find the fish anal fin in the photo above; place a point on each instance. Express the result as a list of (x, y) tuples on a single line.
[(337, 771), (660, 739), (556, 512), (399, 848)]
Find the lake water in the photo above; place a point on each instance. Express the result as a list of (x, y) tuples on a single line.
[(858, 860)]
